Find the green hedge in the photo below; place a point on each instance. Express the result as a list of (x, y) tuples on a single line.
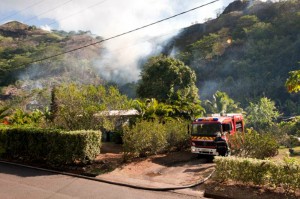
[(259, 172), (50, 146)]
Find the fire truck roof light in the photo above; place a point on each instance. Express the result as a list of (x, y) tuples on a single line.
[(207, 119)]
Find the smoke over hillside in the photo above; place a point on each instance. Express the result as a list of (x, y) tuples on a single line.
[(112, 17)]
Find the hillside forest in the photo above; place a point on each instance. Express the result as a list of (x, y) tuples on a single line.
[(247, 52), (242, 57)]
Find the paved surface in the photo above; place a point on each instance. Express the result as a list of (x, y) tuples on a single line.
[(19, 182), (162, 170), (151, 173)]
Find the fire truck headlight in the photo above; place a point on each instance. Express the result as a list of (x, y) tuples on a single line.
[(193, 149), (193, 144)]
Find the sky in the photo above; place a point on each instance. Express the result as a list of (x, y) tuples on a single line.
[(108, 18)]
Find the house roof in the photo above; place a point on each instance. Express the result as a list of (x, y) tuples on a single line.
[(130, 112)]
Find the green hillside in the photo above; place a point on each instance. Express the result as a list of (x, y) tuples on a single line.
[(246, 52), (27, 84), (20, 45)]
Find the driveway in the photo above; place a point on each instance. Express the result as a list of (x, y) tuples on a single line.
[(20, 182), (163, 171)]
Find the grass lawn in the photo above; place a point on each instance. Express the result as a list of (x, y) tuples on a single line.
[(284, 152)]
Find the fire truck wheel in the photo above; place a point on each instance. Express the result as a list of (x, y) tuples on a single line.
[(200, 156)]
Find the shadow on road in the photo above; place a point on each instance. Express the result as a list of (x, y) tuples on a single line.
[(178, 158), (22, 171)]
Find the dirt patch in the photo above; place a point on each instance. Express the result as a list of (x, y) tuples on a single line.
[(110, 158)]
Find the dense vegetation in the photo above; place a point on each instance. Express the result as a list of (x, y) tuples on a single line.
[(247, 52)]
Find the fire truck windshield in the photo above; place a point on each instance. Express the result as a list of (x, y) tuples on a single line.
[(206, 129)]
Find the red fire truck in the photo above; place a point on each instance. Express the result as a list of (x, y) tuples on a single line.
[(210, 135)]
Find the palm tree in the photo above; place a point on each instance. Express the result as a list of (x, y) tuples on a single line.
[(150, 109), (221, 103)]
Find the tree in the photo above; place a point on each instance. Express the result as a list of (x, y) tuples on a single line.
[(53, 104), (262, 114), (293, 82), (243, 24), (165, 78), (172, 84), (221, 103), (151, 109), (185, 108), (211, 46), (76, 105)]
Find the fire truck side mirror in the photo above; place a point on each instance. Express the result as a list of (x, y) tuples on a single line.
[(188, 129)]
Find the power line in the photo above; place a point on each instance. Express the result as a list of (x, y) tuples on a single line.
[(119, 35), (26, 8)]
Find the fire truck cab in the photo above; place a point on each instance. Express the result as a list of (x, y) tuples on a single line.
[(210, 134)]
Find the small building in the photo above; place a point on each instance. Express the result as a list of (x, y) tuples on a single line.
[(118, 117)]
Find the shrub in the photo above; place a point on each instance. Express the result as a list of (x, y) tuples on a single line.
[(51, 146), (253, 144), (177, 136), (144, 138), (259, 172), (245, 170), (152, 137)]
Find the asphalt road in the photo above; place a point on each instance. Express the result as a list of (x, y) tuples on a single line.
[(19, 182)]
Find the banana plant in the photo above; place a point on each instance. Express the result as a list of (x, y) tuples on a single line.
[(3, 113)]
